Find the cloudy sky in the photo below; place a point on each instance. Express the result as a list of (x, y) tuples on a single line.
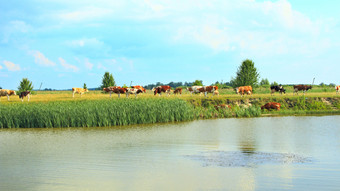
[(63, 43)]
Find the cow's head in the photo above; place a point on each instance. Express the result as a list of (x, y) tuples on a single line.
[(237, 90), (12, 92), (86, 90)]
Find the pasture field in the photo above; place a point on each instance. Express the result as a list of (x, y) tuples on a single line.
[(60, 109)]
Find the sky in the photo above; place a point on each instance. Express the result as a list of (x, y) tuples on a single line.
[(61, 44)]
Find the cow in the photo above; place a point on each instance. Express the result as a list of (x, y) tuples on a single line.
[(118, 90), (4, 92), (244, 89), (160, 89), (133, 91), (303, 88), (110, 89), (195, 89), (271, 105), (139, 87), (337, 88), (221, 107), (277, 89), (178, 91), (208, 89), (24, 94), (79, 91)]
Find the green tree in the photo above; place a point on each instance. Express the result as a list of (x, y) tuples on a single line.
[(108, 80), (264, 82), (85, 87), (246, 75), (198, 83), (274, 84), (25, 85)]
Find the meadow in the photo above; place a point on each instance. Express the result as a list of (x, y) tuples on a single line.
[(95, 108)]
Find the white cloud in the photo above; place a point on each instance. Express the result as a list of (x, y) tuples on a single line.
[(41, 59), (91, 42), (88, 64), (84, 14), (0, 67), (67, 66), (11, 66)]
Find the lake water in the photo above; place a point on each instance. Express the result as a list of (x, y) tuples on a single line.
[(270, 153)]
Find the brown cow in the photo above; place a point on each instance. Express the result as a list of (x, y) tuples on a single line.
[(222, 106), (337, 88), (271, 105), (160, 89), (139, 87), (303, 88), (118, 90), (208, 89), (244, 89), (110, 89), (178, 91), (4, 92)]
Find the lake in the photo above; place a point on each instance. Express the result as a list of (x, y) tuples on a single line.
[(268, 153)]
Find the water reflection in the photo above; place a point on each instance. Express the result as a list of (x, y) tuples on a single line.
[(226, 154)]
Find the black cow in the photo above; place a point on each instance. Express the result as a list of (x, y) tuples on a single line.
[(24, 94), (277, 89)]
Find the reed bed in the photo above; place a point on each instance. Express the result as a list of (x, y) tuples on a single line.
[(94, 113)]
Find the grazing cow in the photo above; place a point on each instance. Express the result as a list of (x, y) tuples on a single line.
[(160, 89), (24, 94), (133, 91), (271, 105), (79, 91), (208, 89), (4, 92), (303, 88), (139, 87), (118, 90), (244, 89), (277, 89), (110, 89), (178, 91), (221, 106), (195, 89), (337, 88)]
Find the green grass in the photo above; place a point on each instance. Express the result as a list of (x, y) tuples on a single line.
[(94, 113)]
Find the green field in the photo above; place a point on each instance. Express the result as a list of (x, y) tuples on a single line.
[(59, 109)]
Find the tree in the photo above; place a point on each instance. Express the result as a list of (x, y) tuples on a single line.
[(25, 85), (274, 84), (108, 80), (264, 82), (246, 75), (198, 83), (85, 87)]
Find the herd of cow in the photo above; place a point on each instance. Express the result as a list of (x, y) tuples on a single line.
[(242, 90)]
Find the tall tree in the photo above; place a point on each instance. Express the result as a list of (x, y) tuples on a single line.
[(108, 80), (198, 83), (246, 75), (85, 87), (25, 85)]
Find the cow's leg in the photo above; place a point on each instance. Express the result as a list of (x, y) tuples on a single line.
[(136, 95), (28, 97), (110, 94), (127, 95), (7, 97), (118, 95), (73, 94)]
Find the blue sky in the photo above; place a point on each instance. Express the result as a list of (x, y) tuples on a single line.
[(64, 44)]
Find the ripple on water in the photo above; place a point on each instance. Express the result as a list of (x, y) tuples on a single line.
[(246, 159)]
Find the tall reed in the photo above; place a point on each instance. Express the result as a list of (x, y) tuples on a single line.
[(94, 113)]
